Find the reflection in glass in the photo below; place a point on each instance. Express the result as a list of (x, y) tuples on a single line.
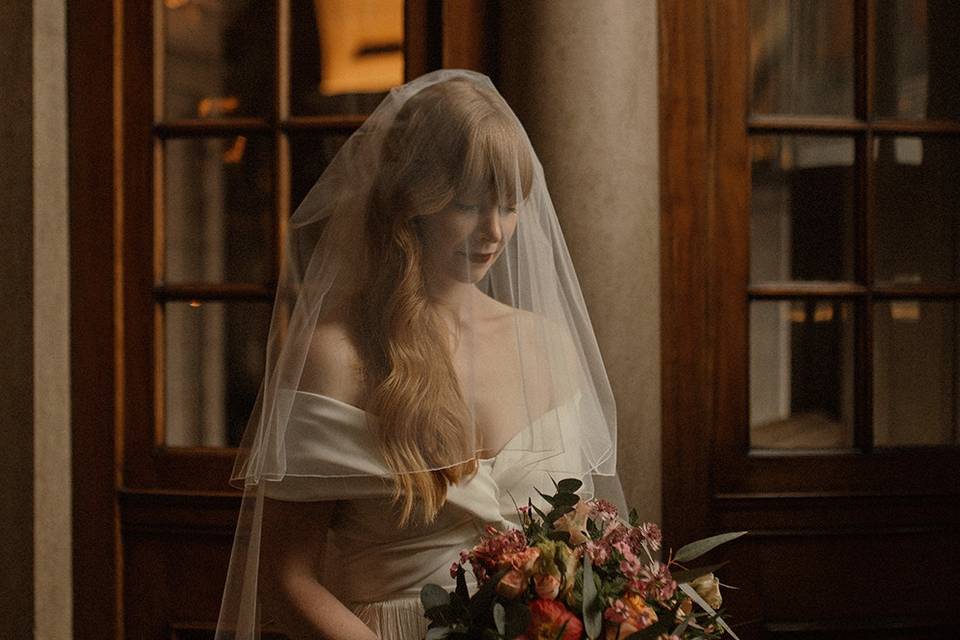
[(801, 374), (218, 216), (917, 59), (801, 208), (801, 57), (219, 58), (344, 54), (915, 394), (213, 365), (918, 210)]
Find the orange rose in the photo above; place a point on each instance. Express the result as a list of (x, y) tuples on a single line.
[(512, 584), (548, 618), (547, 586)]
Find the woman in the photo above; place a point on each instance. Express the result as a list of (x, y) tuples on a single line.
[(430, 362)]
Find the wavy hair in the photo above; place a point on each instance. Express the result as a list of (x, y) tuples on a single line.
[(450, 138)]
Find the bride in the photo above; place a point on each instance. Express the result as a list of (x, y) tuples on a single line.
[(430, 365)]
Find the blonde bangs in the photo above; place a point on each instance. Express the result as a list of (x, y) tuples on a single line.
[(496, 160)]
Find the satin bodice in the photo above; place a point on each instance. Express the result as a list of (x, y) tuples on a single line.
[(369, 561)]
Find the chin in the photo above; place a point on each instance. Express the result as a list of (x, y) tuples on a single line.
[(473, 276)]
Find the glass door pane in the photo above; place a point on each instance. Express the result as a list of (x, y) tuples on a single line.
[(344, 55), (218, 58), (801, 57), (801, 374)]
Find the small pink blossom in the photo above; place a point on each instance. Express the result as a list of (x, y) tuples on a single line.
[(630, 564), (651, 535), (599, 552), (486, 556), (660, 585), (521, 560)]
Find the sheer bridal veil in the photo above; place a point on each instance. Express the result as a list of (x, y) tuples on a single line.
[(426, 285)]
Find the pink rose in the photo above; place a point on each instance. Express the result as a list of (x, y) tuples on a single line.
[(547, 586)]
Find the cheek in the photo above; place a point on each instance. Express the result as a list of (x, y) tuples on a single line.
[(509, 227)]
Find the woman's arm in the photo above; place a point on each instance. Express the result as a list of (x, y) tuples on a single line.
[(293, 537)]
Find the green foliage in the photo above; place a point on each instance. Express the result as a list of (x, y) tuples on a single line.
[(696, 549), (692, 574), (592, 605)]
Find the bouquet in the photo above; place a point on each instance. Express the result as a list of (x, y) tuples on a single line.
[(578, 571)]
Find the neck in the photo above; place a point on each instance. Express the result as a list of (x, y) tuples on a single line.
[(453, 297)]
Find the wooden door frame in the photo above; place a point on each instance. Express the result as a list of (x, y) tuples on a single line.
[(94, 177), (97, 59), (689, 277)]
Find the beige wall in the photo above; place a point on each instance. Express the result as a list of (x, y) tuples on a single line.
[(35, 559), (582, 78)]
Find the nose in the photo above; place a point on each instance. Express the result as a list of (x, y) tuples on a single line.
[(489, 224)]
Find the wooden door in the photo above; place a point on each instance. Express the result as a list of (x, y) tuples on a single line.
[(811, 304), (196, 128)]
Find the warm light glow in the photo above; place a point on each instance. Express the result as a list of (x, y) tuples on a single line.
[(175, 4), (797, 313), (823, 312), (217, 106), (360, 45), (905, 311), (195, 304), (234, 154)]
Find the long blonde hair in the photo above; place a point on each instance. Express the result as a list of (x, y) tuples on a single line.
[(452, 137)]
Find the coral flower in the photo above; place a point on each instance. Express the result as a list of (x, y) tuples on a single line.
[(548, 618), (626, 616)]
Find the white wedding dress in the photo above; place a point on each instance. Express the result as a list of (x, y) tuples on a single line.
[(373, 567)]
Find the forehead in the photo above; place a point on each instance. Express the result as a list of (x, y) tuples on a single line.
[(489, 188)]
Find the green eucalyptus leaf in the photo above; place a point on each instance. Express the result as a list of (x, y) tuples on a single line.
[(463, 594), (634, 518), (563, 536), (569, 485), (554, 515), (692, 574), (693, 595), (540, 513), (549, 499), (565, 500), (432, 596), (592, 614), (436, 633), (482, 600), (696, 549), (518, 618), (681, 627), (500, 618)]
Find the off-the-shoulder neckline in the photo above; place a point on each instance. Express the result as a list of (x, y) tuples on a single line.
[(358, 410), (333, 400)]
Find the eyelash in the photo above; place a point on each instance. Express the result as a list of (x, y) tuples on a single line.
[(475, 207)]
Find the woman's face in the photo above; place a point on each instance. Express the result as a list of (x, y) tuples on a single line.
[(463, 240)]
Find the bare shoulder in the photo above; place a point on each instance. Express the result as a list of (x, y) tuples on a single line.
[(333, 366)]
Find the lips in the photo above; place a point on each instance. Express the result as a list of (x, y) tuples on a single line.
[(479, 258)]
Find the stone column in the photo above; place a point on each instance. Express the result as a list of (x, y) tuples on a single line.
[(582, 77), (35, 522)]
